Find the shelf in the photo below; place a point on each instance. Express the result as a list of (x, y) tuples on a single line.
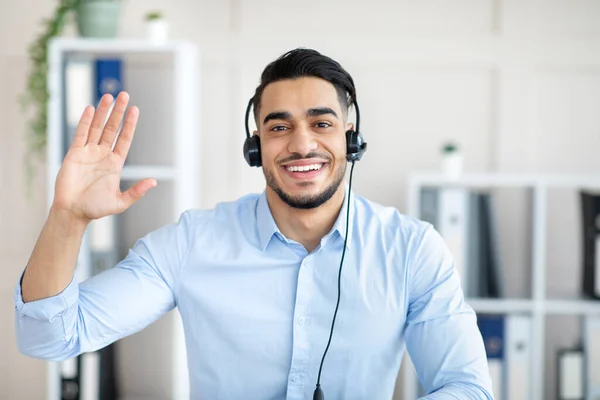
[(572, 307), (136, 172), (112, 46), (558, 306), (485, 180), (500, 305)]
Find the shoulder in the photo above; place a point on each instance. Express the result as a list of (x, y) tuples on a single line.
[(225, 219), (373, 215)]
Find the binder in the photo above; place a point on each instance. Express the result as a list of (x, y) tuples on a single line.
[(490, 283), (518, 345), (492, 328), (591, 348), (447, 210), (570, 380), (590, 205), (69, 370)]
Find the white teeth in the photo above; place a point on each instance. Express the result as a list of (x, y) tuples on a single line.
[(304, 168)]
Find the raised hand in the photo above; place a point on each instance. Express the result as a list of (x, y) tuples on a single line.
[(88, 182)]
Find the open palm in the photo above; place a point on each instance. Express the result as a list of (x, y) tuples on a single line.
[(88, 182)]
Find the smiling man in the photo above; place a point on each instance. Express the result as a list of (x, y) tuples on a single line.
[(306, 289)]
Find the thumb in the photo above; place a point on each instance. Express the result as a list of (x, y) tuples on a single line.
[(136, 192)]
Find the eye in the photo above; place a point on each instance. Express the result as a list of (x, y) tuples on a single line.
[(323, 124), (278, 128)]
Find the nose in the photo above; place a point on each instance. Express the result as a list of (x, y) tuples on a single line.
[(302, 141)]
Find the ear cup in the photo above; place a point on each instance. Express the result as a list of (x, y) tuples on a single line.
[(252, 151), (355, 145)]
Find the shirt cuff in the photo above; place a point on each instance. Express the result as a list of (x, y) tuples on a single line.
[(48, 308)]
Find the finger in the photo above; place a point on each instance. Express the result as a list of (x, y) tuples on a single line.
[(114, 121), (136, 192), (100, 118), (126, 136), (83, 127)]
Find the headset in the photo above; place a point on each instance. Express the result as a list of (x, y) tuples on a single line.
[(355, 148)]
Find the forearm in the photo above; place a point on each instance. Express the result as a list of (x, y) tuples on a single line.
[(52, 263)]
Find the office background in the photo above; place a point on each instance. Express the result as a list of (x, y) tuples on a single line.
[(516, 83)]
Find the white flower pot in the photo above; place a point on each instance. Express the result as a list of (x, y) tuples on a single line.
[(157, 30), (452, 164)]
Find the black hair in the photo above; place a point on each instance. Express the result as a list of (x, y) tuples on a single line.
[(302, 62)]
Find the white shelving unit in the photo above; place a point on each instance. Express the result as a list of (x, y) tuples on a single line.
[(539, 306), (180, 174)]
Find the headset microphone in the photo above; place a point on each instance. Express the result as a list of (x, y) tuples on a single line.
[(355, 148)]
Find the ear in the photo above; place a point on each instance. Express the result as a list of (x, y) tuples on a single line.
[(349, 126), (255, 132)]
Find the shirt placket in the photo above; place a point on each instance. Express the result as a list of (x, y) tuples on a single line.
[(298, 373)]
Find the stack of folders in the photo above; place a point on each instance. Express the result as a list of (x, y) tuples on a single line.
[(508, 342), (465, 219), (578, 367), (91, 376)]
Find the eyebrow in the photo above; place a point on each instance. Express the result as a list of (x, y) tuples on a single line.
[(315, 112), (277, 115), (312, 112)]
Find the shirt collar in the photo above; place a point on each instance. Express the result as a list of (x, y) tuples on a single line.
[(264, 220), (267, 227)]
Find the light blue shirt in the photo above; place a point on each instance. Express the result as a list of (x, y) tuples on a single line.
[(257, 307)]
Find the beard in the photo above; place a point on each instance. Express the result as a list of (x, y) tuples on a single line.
[(306, 201)]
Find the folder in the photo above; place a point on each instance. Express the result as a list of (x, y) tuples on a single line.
[(570, 379), (492, 328), (591, 348), (590, 205)]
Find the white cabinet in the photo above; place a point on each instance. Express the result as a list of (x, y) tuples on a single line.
[(162, 80)]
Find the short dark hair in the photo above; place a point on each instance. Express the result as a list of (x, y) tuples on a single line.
[(302, 62)]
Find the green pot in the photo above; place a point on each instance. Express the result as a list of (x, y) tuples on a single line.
[(98, 19)]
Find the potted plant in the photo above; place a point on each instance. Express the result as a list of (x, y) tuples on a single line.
[(157, 27), (97, 19), (452, 161)]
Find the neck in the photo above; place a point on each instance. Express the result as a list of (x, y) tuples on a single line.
[(306, 227)]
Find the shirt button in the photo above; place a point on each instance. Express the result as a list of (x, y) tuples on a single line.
[(295, 378), (301, 320)]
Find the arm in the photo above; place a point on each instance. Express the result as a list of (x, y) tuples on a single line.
[(86, 188), (442, 336), (52, 314), (52, 263), (108, 306)]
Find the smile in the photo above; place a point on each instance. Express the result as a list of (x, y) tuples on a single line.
[(304, 172), (304, 168)]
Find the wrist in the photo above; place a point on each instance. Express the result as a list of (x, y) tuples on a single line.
[(68, 221)]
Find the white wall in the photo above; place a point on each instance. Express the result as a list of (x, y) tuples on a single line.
[(516, 82)]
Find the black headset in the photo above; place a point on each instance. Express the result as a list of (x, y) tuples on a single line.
[(355, 148), (355, 145)]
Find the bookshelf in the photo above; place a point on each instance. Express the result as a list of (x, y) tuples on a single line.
[(162, 80), (539, 304)]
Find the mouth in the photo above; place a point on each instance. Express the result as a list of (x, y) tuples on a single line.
[(304, 171)]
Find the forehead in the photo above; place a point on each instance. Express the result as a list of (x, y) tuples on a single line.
[(297, 95)]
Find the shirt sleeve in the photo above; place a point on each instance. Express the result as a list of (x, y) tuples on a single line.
[(442, 337), (115, 303)]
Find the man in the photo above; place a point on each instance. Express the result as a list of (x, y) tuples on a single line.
[(257, 280)]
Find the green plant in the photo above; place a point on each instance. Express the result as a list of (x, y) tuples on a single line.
[(449, 147), (153, 15), (34, 100)]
